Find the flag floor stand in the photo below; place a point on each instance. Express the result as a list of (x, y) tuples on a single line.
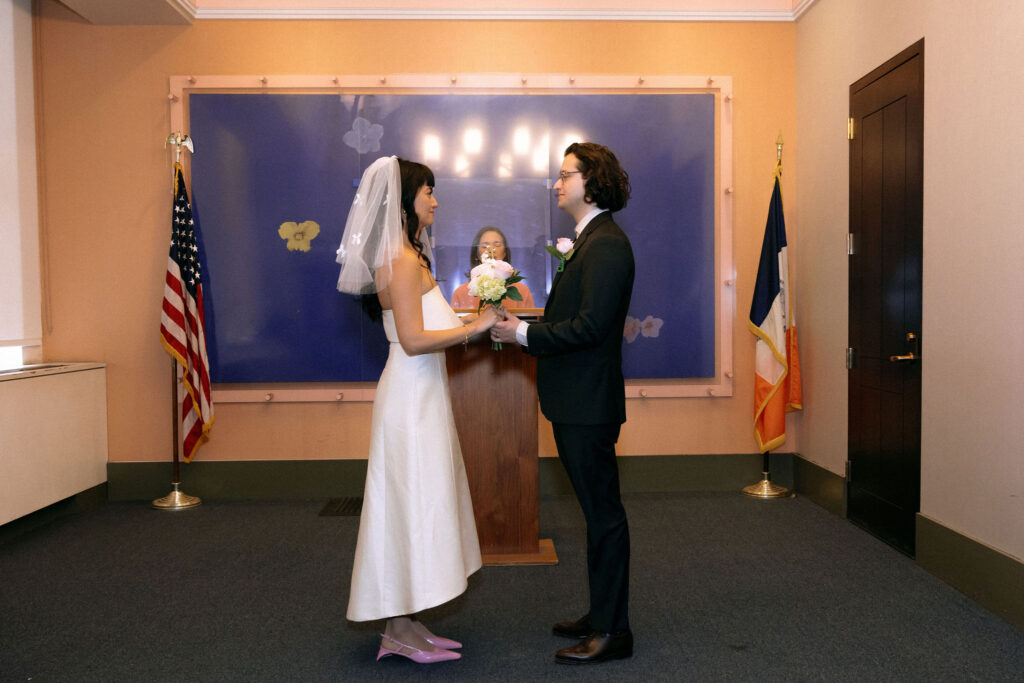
[(765, 488), (176, 500)]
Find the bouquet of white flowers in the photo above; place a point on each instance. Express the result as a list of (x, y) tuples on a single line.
[(493, 281)]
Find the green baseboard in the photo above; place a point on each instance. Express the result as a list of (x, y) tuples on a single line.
[(820, 485), (305, 479), (673, 473), (991, 578), (246, 480)]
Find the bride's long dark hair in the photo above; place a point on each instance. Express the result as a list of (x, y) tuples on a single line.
[(413, 176)]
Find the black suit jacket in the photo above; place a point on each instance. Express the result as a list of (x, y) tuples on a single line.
[(579, 343)]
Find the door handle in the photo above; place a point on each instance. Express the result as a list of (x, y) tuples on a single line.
[(913, 355)]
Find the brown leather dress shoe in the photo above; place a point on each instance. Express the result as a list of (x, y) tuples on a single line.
[(599, 647), (578, 629)]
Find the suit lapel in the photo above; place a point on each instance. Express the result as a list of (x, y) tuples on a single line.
[(577, 247)]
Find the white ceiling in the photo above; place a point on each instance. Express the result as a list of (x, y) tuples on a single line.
[(142, 12)]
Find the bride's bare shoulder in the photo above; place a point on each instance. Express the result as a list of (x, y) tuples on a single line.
[(409, 267), (404, 261), (408, 256)]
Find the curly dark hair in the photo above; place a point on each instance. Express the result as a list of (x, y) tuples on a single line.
[(413, 176), (474, 250), (607, 183)]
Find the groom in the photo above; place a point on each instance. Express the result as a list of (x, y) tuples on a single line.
[(579, 380)]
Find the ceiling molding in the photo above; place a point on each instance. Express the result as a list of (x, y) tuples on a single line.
[(185, 7), (801, 7), (164, 12), (352, 14)]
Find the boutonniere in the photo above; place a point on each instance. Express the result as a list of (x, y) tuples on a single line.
[(562, 250)]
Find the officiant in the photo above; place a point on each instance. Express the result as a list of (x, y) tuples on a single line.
[(489, 242)]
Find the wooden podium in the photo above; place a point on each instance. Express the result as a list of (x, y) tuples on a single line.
[(494, 398)]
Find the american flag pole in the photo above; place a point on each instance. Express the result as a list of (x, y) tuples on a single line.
[(176, 435), (176, 499)]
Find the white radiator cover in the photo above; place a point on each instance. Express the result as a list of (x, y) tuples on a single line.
[(53, 435)]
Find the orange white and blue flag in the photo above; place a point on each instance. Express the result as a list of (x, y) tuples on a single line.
[(777, 363)]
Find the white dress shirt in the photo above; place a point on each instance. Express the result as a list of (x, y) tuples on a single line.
[(584, 222)]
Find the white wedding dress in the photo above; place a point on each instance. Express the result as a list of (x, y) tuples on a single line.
[(417, 538)]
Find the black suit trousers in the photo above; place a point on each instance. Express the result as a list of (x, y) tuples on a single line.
[(588, 454)]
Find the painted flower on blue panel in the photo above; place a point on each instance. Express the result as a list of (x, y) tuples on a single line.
[(651, 326), (631, 329), (298, 235), (364, 136), (648, 327)]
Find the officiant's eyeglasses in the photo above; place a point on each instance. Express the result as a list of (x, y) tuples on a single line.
[(564, 175)]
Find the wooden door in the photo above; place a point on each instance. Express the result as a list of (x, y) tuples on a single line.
[(885, 355)]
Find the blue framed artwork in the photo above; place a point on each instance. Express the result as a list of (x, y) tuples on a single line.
[(275, 174)]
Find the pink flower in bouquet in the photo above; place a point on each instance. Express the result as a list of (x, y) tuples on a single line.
[(500, 270), (492, 281)]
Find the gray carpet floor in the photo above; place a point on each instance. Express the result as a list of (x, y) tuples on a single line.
[(723, 588)]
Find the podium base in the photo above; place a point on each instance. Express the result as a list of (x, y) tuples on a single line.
[(545, 555)]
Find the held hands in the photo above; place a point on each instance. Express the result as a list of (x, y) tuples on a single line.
[(487, 318), (505, 330)]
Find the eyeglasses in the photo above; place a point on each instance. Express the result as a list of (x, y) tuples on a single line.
[(564, 175), (491, 245)]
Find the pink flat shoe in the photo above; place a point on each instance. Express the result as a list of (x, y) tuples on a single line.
[(416, 655), (444, 643)]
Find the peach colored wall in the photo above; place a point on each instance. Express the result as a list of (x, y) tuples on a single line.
[(972, 361), (104, 115)]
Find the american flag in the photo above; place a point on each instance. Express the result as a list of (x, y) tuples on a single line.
[(182, 326)]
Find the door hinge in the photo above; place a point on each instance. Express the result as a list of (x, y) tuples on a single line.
[(850, 245), (849, 128), (850, 357)]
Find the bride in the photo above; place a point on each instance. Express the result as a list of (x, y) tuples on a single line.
[(417, 539)]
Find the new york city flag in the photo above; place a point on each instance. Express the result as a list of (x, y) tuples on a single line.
[(777, 363)]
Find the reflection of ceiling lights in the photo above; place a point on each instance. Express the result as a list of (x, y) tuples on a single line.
[(521, 141), (472, 141), (541, 155), (505, 165), (568, 140), (431, 148), (461, 166)]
